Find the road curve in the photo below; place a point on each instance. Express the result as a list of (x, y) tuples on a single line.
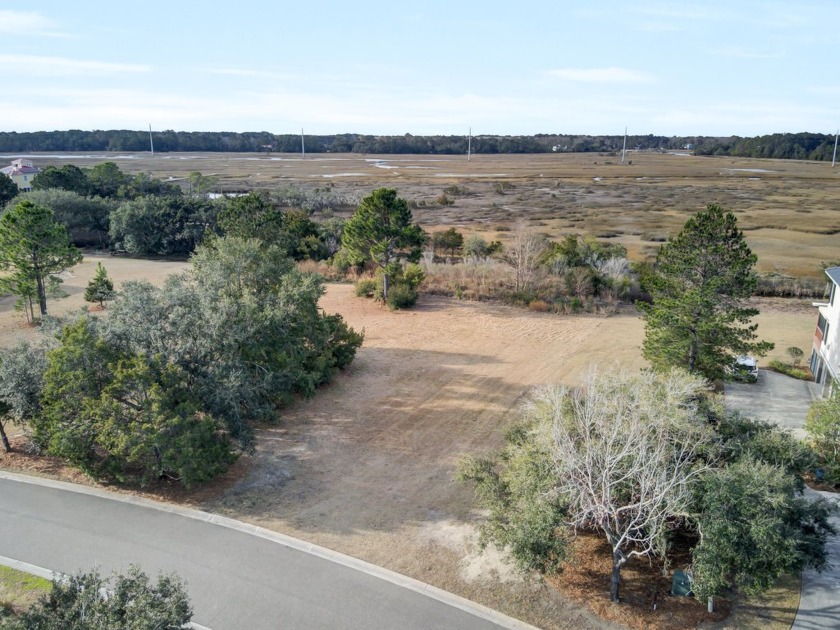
[(239, 575)]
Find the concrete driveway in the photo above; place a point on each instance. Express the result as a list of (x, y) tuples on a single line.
[(819, 604), (784, 400), (775, 398)]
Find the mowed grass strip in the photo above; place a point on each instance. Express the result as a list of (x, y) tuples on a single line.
[(19, 590)]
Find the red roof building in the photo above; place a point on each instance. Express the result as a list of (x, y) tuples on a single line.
[(21, 171)]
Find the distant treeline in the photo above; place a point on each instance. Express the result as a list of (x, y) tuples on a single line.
[(807, 146), (164, 141), (788, 146)]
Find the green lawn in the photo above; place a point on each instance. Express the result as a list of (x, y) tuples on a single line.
[(19, 590)]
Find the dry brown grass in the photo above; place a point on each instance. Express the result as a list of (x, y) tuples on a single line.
[(788, 208)]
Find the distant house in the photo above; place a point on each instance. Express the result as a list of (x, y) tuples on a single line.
[(21, 171), (825, 355)]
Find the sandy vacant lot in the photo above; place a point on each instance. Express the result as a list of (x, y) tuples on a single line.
[(366, 467)]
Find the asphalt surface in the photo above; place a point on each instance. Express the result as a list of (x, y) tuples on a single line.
[(785, 401), (774, 397), (819, 604), (236, 579)]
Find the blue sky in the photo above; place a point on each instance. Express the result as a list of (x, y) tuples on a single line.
[(671, 68)]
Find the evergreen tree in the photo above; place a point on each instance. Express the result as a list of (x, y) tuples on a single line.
[(35, 247), (381, 231), (699, 318), (8, 189), (100, 288)]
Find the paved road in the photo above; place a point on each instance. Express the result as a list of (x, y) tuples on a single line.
[(819, 605), (236, 579)]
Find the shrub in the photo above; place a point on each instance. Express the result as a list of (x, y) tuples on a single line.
[(802, 373), (445, 200), (413, 275), (401, 296), (795, 355), (368, 287), (540, 306)]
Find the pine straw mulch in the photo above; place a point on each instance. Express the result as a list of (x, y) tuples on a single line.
[(23, 460), (645, 602)]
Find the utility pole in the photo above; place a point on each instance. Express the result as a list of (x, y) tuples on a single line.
[(834, 157), (469, 145), (302, 145), (152, 142), (624, 146)]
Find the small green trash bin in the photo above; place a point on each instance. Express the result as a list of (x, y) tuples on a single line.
[(681, 584)]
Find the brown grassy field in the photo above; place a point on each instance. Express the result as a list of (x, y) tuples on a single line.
[(790, 210)]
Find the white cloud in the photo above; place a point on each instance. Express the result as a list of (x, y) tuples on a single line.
[(61, 66), (601, 75), (27, 23)]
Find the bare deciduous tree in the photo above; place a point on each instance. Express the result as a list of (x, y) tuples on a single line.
[(625, 451), (523, 255)]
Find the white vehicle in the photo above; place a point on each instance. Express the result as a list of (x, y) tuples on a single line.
[(745, 369)]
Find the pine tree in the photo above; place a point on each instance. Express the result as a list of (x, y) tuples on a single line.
[(382, 231), (700, 318), (35, 248), (100, 288)]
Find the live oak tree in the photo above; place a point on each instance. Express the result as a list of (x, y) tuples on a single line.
[(89, 601), (755, 526), (8, 189), (101, 287), (620, 456), (381, 231), (823, 427), (699, 318), (35, 248)]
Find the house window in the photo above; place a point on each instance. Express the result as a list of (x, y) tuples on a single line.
[(822, 324)]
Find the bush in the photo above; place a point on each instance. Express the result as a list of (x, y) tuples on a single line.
[(802, 373), (413, 275), (368, 287), (795, 355), (540, 306), (445, 200), (401, 296)]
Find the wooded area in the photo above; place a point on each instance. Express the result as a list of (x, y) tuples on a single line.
[(801, 146)]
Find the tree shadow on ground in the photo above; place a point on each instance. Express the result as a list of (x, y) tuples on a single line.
[(378, 447)]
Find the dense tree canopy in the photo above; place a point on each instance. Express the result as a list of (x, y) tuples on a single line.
[(699, 318), (755, 526), (8, 189), (635, 457), (174, 378), (89, 601)]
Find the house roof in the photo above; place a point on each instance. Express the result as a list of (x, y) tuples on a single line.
[(20, 167), (834, 274)]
